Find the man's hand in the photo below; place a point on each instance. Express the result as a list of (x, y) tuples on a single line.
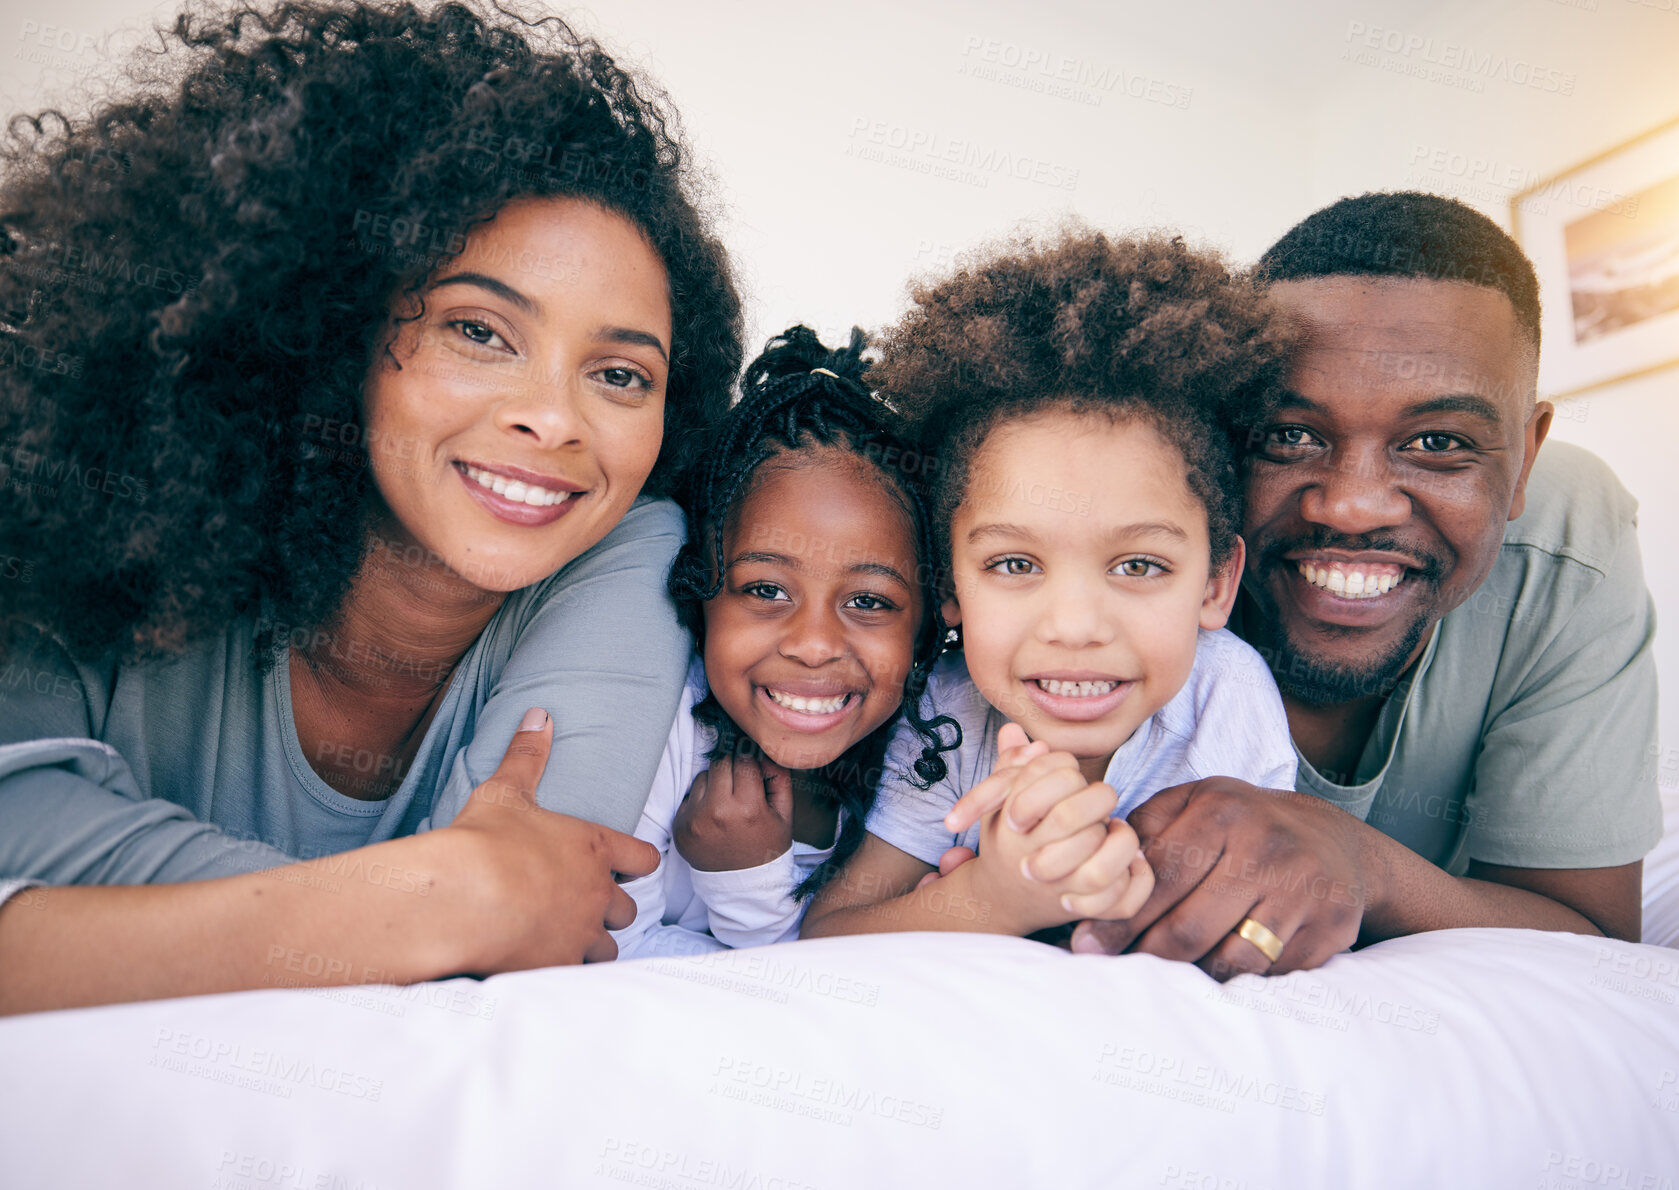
[(1223, 850), (738, 814)]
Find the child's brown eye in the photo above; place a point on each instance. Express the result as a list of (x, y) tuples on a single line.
[(1139, 567)]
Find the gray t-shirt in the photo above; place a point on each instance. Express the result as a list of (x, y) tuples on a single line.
[(1226, 721), (191, 768), (1524, 734)]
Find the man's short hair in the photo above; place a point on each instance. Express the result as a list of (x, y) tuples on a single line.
[(1407, 234)]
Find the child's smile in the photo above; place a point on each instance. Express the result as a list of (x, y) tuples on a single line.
[(1077, 695), (808, 643)]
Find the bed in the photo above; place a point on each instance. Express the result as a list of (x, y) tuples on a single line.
[(1466, 1058)]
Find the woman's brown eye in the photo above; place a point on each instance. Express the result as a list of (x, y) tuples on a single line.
[(622, 377), (475, 332)]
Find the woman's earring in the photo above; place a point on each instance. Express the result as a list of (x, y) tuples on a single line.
[(953, 637)]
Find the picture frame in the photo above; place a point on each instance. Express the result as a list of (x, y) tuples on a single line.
[(1603, 236)]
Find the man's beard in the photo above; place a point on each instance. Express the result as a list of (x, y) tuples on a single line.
[(1308, 679)]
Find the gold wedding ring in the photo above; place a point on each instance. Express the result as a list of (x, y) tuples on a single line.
[(1261, 936)]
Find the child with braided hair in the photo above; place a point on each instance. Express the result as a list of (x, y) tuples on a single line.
[(807, 582)]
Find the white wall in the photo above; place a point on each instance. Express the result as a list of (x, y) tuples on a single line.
[(821, 126)]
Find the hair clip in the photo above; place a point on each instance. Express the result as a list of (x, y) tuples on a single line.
[(825, 372)]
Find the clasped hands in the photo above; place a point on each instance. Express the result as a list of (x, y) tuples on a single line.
[(1194, 863)]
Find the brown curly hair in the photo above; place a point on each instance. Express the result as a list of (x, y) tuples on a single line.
[(1133, 327)]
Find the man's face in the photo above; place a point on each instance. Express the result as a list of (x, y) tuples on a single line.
[(1377, 495)]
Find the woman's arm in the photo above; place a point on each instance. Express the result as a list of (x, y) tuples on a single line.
[(601, 647), (72, 813), (72, 810), (509, 886)]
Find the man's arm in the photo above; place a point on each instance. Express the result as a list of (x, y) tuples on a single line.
[(1321, 880), (1605, 901)]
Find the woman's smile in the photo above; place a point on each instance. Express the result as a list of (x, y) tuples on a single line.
[(519, 501)]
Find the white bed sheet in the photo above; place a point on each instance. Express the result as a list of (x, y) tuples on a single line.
[(1468, 1058)]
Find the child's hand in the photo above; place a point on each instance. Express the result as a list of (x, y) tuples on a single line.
[(1074, 862), (738, 814), (1013, 753)]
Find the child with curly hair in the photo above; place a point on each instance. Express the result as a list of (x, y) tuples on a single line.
[(808, 585), (355, 346), (1077, 394)]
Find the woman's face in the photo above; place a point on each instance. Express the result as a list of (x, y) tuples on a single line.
[(528, 407)]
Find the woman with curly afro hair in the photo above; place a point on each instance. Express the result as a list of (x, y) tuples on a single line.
[(344, 356), (1075, 393)]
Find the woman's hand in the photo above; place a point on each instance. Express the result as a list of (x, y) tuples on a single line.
[(538, 887), (738, 814)]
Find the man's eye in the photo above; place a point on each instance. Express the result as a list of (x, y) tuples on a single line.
[(1435, 443), (1290, 437)]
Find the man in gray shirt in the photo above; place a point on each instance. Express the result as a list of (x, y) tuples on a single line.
[(1459, 625)]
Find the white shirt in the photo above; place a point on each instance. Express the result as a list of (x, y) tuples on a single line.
[(683, 910), (1226, 721)]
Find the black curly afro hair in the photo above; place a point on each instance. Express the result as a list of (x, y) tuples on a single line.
[(194, 280), (1407, 234), (1084, 322)]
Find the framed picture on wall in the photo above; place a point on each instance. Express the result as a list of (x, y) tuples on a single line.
[(1604, 237)]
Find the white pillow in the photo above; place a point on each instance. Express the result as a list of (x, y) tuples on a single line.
[(1468, 1058)]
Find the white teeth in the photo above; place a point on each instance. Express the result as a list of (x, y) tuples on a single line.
[(1350, 584), (807, 706), (1074, 689), (516, 490)]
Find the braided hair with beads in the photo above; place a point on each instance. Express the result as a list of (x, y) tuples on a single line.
[(799, 395)]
